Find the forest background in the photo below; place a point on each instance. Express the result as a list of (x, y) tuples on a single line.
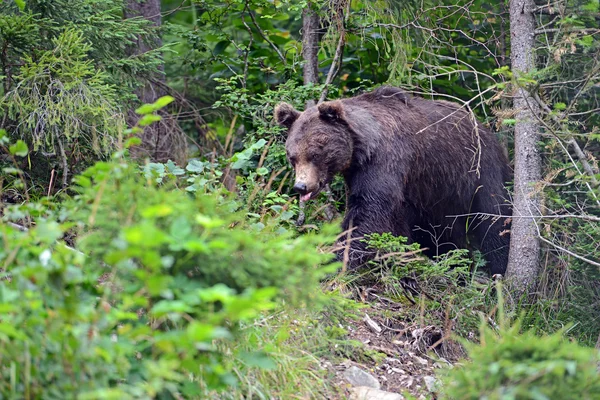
[(152, 246)]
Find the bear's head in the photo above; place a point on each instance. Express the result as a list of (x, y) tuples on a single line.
[(319, 144)]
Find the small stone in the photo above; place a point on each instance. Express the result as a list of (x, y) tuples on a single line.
[(368, 393), (398, 371), (421, 360), (358, 377), (431, 383)]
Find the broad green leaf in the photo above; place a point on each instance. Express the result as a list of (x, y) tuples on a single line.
[(48, 231), (165, 307), (195, 166), (145, 109), (20, 4), (19, 148), (163, 101), (149, 119)]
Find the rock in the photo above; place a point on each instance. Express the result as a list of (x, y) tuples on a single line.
[(358, 377), (368, 393), (431, 383)]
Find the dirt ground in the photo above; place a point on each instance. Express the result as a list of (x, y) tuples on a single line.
[(407, 354)]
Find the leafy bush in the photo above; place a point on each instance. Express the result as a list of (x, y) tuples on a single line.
[(509, 364), (150, 303)]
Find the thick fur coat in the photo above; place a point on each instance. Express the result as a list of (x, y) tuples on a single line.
[(413, 167)]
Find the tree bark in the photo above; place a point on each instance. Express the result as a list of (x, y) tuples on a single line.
[(310, 47), (163, 140), (523, 264)]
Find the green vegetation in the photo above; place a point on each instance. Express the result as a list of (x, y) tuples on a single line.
[(509, 363), (126, 277)]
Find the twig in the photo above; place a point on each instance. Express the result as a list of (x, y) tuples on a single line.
[(582, 258), (564, 216), (572, 142), (334, 66), (374, 326), (247, 53), (584, 162), (262, 34), (592, 31), (51, 182)]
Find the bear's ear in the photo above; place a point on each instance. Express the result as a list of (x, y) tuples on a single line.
[(286, 114), (331, 111)]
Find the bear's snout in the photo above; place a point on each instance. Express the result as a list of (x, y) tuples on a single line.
[(307, 180), (300, 187)]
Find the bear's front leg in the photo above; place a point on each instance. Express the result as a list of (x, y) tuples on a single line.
[(376, 217)]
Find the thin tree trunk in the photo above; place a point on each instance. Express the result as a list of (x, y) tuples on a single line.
[(310, 55), (311, 35), (163, 140), (523, 264), (310, 47)]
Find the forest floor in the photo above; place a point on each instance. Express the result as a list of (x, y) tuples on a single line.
[(400, 353)]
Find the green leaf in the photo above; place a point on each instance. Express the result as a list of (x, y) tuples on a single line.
[(4, 137), (195, 166), (259, 145), (10, 331), (20, 4), (560, 106), (149, 119), (19, 149), (48, 231), (145, 235), (132, 141), (258, 359), (158, 210), (163, 101), (145, 109), (208, 222), (220, 47), (166, 307)]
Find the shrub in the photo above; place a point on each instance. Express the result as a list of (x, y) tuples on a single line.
[(510, 364), (150, 306)]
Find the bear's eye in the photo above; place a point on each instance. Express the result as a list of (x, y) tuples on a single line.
[(292, 160)]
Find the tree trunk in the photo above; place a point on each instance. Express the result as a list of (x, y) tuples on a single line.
[(524, 255), (310, 47), (163, 140)]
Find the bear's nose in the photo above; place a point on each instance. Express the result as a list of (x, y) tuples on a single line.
[(300, 187)]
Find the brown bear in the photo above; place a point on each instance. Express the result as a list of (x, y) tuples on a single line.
[(418, 168)]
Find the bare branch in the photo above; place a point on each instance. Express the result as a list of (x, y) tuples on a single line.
[(582, 258), (264, 36), (334, 67)]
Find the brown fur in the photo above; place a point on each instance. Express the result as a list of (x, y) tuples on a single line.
[(408, 163)]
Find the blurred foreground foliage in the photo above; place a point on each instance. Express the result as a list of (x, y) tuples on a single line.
[(151, 302)]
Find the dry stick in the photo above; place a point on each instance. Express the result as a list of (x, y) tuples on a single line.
[(582, 258), (63, 155), (51, 182), (584, 217), (584, 162)]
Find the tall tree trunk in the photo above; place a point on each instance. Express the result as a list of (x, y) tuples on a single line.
[(310, 54), (163, 140), (523, 264), (311, 36), (310, 47)]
